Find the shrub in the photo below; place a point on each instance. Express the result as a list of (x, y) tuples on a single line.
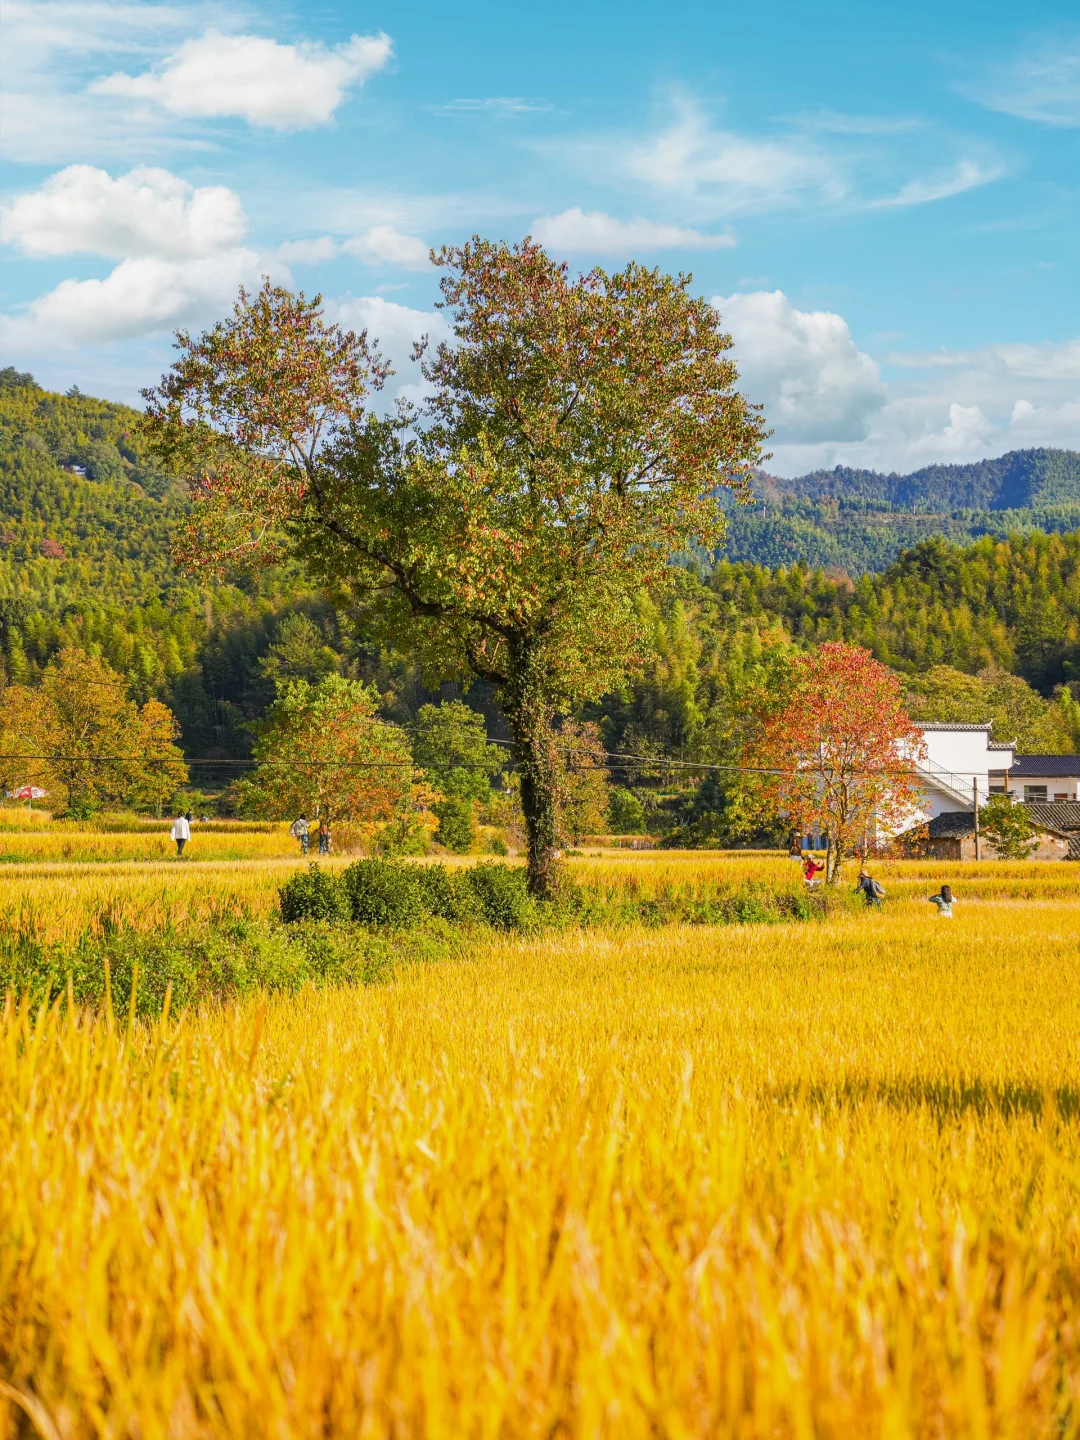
[(383, 893), (626, 814), (313, 895), (498, 846), (501, 893), (457, 825), (447, 895)]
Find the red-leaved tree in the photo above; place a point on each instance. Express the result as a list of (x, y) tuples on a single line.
[(839, 750)]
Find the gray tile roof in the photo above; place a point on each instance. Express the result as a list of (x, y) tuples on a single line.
[(950, 725), (1028, 766), (1074, 848), (951, 825), (1061, 815)]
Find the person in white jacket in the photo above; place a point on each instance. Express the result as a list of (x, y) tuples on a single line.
[(181, 833)]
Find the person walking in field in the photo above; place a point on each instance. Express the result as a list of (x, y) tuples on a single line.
[(944, 902), (299, 831), (324, 838), (873, 892), (181, 833)]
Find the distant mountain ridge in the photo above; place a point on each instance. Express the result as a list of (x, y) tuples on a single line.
[(1020, 480)]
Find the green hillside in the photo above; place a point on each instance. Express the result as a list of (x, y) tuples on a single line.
[(86, 526), (860, 520)]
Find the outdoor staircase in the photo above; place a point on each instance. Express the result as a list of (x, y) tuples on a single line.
[(954, 786)]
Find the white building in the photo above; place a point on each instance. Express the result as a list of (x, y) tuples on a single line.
[(960, 761), (1042, 779)]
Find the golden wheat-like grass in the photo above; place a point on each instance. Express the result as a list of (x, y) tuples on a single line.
[(750, 1181)]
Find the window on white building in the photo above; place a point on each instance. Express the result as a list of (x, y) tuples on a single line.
[(1035, 793)]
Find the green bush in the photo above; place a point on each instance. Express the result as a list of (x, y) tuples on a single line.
[(383, 893), (502, 894), (626, 813), (457, 825), (314, 895)]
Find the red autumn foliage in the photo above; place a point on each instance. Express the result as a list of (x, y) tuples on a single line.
[(842, 749)]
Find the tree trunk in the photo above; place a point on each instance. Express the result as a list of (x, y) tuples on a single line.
[(530, 715)]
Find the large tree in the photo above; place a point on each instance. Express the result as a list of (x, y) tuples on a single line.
[(577, 433), (837, 749), (79, 736)]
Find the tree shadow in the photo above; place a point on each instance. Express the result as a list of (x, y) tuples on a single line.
[(947, 1099)]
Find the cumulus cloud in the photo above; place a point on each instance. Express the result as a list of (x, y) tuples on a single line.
[(1047, 424), (1043, 85), (593, 232), (396, 328), (144, 295), (283, 87), (382, 244), (815, 383), (145, 212), (181, 251), (964, 437)]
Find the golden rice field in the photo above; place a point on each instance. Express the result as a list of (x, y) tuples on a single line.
[(800, 1180)]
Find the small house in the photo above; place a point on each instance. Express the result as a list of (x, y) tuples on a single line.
[(951, 836)]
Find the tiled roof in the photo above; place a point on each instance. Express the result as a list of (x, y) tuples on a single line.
[(1074, 848), (949, 725), (951, 824), (1001, 744), (1027, 766), (1056, 814)]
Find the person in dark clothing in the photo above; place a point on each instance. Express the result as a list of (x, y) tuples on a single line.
[(873, 891), (324, 838)]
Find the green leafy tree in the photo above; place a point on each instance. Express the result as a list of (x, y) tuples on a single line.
[(86, 742), (299, 653), (457, 824), (450, 743), (577, 435), (1008, 827), (1007, 702), (322, 750), (626, 813)]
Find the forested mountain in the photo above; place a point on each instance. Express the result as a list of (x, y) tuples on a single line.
[(86, 525), (860, 520)]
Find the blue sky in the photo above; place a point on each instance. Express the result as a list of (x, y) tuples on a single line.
[(883, 200)]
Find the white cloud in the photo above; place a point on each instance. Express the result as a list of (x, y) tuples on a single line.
[(964, 437), (309, 252), (145, 295), (284, 87), (50, 48), (1047, 424), (743, 173), (145, 212), (594, 232), (804, 366), (494, 105), (966, 175), (181, 252), (1043, 85), (396, 328), (1052, 360), (383, 244)]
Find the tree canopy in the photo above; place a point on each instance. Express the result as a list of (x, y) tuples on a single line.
[(576, 435)]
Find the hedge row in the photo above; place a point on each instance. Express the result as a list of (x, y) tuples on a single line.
[(395, 895)]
